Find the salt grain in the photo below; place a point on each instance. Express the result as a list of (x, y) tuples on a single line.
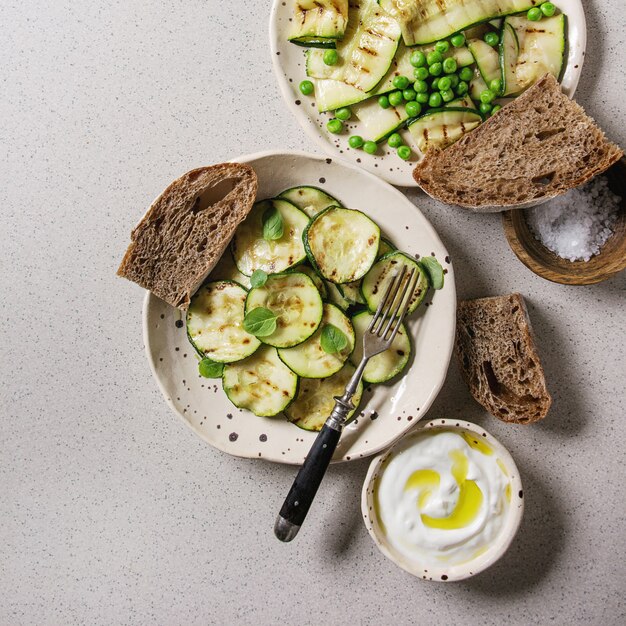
[(577, 224)]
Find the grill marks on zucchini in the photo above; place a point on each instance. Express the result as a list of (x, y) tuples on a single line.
[(439, 128), (262, 383), (309, 359), (342, 244), (252, 252), (295, 301), (376, 280), (315, 399), (319, 22), (427, 21), (215, 322)]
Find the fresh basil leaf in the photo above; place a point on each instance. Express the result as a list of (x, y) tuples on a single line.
[(210, 369), (433, 270), (258, 278), (272, 224), (260, 322), (333, 339)]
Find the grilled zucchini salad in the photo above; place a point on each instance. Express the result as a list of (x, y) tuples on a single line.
[(438, 68), (282, 316)]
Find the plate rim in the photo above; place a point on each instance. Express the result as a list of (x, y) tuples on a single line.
[(449, 347), (307, 125)]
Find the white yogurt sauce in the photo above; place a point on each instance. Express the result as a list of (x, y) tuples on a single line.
[(443, 498)]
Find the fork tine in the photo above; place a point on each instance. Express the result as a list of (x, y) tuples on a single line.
[(409, 280), (390, 302), (404, 310), (381, 304)]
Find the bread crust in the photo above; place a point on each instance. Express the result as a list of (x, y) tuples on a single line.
[(537, 147), (498, 357), (186, 230)]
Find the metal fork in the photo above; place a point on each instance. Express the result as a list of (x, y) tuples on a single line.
[(378, 338)]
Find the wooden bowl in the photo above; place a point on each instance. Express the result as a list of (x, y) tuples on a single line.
[(534, 255)]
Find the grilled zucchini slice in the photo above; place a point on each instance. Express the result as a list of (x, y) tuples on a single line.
[(333, 94), (319, 23), (380, 123), (227, 270), (487, 60), (366, 51), (439, 128), (295, 301), (509, 52), (215, 322), (318, 281), (341, 244), (315, 399), (387, 364), (262, 383), (336, 297), (310, 200), (541, 50), (428, 21), (376, 280), (384, 247), (252, 252), (309, 359), (352, 292)]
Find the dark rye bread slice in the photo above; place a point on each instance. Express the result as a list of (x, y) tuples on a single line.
[(498, 358), (185, 231), (537, 147)]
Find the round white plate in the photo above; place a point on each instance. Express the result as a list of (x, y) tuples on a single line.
[(289, 67), (386, 411)]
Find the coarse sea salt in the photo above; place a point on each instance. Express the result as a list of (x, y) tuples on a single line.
[(577, 224)]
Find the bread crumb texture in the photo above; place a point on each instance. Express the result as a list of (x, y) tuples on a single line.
[(538, 146), (499, 361), (186, 230)]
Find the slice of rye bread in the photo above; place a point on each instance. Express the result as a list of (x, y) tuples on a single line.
[(498, 358), (537, 147), (185, 231)]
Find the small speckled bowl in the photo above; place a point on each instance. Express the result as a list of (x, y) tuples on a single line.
[(454, 572)]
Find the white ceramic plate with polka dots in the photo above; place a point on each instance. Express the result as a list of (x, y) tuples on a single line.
[(386, 411), (289, 67)]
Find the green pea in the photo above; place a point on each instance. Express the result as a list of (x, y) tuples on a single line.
[(404, 152), (383, 102), (487, 96), (548, 9), (458, 40), (395, 140), (421, 73), (435, 69), (495, 85), (306, 87), (395, 98), (435, 100), (495, 109), (413, 108), (409, 94), (449, 66), (422, 98), (343, 114), (434, 84), (493, 39), (420, 86), (444, 83), (442, 46), (434, 57), (417, 59), (466, 74), (370, 147), (462, 88), (331, 57), (454, 80), (447, 95), (534, 14), (334, 126), (401, 82), (485, 108), (356, 141)]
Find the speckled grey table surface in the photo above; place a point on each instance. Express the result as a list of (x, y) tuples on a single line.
[(112, 512)]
